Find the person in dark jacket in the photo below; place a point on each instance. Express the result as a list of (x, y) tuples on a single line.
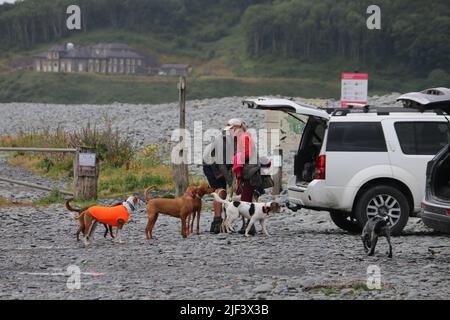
[(219, 158)]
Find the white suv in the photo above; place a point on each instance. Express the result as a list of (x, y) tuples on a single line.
[(356, 163)]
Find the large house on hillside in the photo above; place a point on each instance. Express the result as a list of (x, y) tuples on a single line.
[(114, 58)]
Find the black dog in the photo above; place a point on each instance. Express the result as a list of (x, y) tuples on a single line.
[(375, 227)]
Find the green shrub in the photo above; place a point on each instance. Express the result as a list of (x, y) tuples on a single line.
[(111, 147), (46, 164), (55, 196)]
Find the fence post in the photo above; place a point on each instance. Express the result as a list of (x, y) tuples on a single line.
[(180, 171), (86, 169), (278, 176)]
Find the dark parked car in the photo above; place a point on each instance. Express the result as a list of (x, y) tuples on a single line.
[(436, 205)]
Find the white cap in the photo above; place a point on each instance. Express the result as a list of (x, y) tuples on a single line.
[(235, 122)]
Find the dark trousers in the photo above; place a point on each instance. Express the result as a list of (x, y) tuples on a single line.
[(247, 191)]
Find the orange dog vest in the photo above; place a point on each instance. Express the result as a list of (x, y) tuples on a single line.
[(110, 215)]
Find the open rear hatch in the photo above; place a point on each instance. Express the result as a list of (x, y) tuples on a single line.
[(287, 106), (312, 137), (430, 99), (434, 99)]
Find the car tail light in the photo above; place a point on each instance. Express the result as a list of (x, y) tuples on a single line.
[(448, 212), (319, 173)]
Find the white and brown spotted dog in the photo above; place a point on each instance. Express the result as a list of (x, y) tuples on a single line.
[(253, 211)]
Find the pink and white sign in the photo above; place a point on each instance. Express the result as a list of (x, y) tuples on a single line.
[(353, 88)]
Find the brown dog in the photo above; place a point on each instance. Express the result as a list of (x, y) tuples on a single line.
[(181, 207), (200, 191), (115, 216)]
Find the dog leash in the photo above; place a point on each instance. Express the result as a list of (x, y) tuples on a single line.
[(232, 187)]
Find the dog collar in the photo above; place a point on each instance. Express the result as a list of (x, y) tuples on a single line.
[(193, 196), (130, 205)]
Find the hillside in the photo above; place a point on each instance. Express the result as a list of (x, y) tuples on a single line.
[(236, 47)]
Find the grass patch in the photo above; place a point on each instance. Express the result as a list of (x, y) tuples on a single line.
[(123, 168), (361, 286), (140, 175), (6, 203), (54, 197), (113, 181), (336, 288), (25, 86), (327, 291), (48, 165), (101, 89), (83, 203)]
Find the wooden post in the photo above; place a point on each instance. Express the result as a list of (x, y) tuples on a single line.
[(278, 176), (180, 171), (86, 169)]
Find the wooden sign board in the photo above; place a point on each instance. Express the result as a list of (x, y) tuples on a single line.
[(86, 160)]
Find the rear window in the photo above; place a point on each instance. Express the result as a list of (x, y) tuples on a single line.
[(422, 138), (356, 136)]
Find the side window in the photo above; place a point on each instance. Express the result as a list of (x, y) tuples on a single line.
[(422, 138), (356, 136), (319, 132)]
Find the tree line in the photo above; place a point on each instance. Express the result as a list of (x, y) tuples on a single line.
[(30, 22), (414, 34)]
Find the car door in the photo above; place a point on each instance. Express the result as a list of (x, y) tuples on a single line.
[(355, 148)]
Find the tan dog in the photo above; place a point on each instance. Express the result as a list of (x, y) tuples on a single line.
[(181, 207), (115, 216), (200, 191)]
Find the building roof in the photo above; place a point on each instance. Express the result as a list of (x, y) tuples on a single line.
[(78, 53)]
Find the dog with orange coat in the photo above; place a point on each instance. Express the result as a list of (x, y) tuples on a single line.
[(116, 216)]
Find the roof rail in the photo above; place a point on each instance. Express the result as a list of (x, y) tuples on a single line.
[(381, 111)]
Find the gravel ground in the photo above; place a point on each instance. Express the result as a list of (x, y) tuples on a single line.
[(146, 124), (305, 253)]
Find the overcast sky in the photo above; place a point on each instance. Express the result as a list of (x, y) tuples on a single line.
[(10, 1)]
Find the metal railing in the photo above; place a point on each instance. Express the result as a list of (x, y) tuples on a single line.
[(32, 185)]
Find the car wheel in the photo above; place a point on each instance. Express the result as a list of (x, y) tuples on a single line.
[(344, 221), (383, 200)]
